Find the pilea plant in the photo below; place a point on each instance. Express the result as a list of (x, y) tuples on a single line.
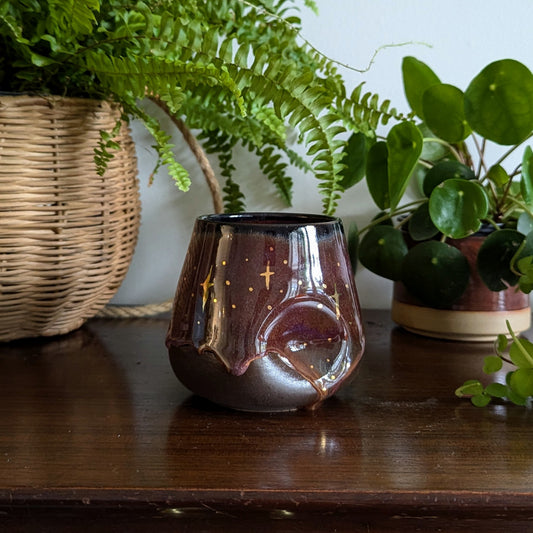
[(440, 153), (233, 70), (518, 385)]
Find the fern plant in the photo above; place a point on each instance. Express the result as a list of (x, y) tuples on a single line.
[(233, 69)]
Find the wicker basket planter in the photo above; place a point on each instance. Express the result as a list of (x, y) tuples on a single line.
[(67, 235)]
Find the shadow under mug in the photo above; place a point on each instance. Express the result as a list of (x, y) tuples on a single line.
[(266, 315)]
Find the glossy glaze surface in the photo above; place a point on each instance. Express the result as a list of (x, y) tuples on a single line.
[(266, 315)]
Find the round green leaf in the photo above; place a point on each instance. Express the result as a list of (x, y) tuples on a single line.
[(496, 390), (498, 175), (525, 223), (494, 258), (445, 170), (443, 107), (417, 77), (355, 160), (499, 102), (382, 251), (436, 273), (522, 382), (432, 151), (420, 225), (492, 364), (457, 207), (481, 400), (404, 144), (377, 176)]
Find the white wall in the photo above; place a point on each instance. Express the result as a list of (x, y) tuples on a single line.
[(455, 37)]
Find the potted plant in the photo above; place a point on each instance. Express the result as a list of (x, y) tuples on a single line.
[(232, 71), (454, 247)]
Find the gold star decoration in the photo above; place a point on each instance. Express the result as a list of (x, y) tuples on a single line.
[(206, 285), (267, 274)]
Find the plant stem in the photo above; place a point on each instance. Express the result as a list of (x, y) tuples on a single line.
[(452, 149), (387, 216), (199, 154), (511, 150), (524, 352)]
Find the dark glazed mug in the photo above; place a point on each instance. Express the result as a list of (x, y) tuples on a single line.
[(266, 315)]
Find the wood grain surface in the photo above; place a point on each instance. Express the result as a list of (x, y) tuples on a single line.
[(96, 432)]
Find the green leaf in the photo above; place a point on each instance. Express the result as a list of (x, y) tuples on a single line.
[(457, 207), (417, 77), (500, 344), (404, 143), (445, 170), (522, 382), (480, 400), (498, 175), (526, 180), (525, 223), (499, 102), (492, 364), (436, 273), (382, 251), (377, 176), (495, 256), (496, 390), (521, 353), (420, 225), (471, 387), (355, 160), (443, 107)]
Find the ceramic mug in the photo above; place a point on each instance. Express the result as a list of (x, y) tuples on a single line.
[(266, 315)]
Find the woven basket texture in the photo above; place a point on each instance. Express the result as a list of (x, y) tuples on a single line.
[(67, 235)]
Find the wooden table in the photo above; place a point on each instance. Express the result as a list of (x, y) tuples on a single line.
[(97, 434)]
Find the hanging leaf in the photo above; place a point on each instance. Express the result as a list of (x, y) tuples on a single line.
[(499, 102), (354, 158), (382, 251), (377, 176), (436, 273), (494, 258), (443, 106), (525, 223), (526, 180), (420, 225), (417, 77), (457, 207), (445, 170), (404, 143), (498, 175)]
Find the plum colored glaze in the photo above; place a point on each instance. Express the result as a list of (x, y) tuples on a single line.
[(266, 315)]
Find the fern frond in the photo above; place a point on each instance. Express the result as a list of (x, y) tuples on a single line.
[(102, 152), (363, 112), (74, 16), (163, 148), (233, 197)]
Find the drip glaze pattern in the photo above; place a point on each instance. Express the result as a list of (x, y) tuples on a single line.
[(266, 315)]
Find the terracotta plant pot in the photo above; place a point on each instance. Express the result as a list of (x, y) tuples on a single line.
[(478, 315), (266, 315)]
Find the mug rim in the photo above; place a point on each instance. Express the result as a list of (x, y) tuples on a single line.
[(264, 219)]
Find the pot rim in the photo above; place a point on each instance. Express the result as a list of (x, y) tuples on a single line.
[(269, 219)]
